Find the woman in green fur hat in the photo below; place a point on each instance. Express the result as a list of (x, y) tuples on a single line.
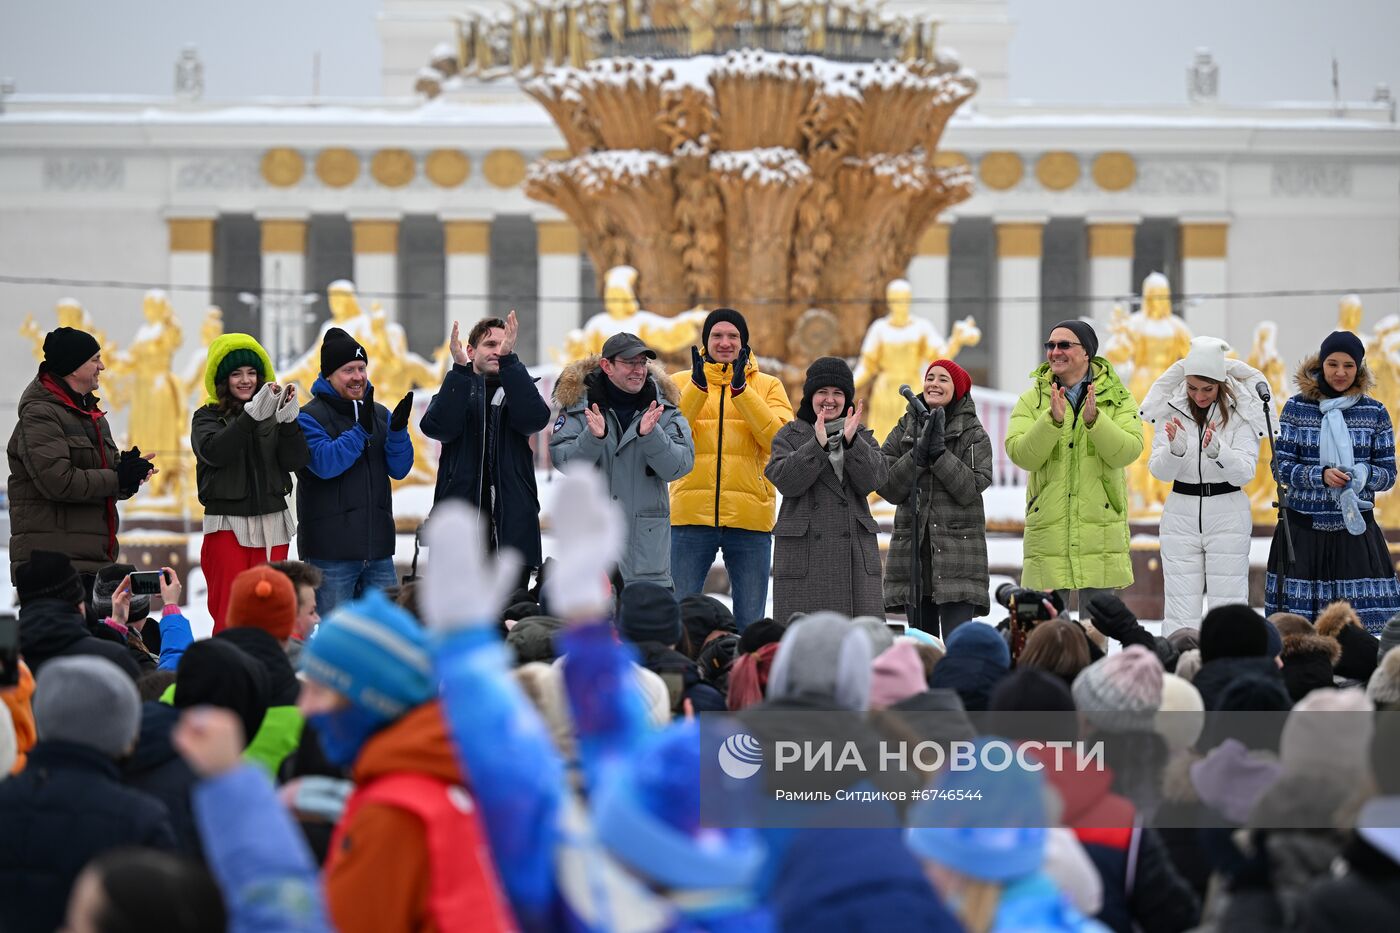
[(247, 444)]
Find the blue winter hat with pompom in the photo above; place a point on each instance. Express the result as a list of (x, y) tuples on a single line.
[(374, 653)]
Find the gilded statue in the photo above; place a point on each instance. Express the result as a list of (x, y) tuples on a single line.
[(143, 376), (896, 349), (394, 371), (70, 313), (1264, 356), (1141, 346), (623, 313)]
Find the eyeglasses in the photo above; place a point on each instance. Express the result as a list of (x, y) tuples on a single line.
[(639, 362), (1060, 345)]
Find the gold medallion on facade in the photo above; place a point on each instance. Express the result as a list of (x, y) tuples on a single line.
[(945, 158), (558, 155), (337, 167), (1114, 171), (1001, 170), (392, 168), (504, 168), (1057, 170), (282, 167), (447, 168)]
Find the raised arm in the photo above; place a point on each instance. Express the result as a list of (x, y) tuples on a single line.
[(795, 464)]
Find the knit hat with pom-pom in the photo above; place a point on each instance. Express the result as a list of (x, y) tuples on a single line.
[(263, 598)]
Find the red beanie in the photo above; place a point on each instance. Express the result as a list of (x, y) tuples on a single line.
[(263, 598), (962, 382)]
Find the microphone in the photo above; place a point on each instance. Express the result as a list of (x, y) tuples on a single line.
[(915, 402), (1263, 389)]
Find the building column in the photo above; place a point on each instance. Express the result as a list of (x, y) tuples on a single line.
[(928, 277), (1018, 336), (559, 286), (1110, 265), (191, 265), (467, 243), (284, 279), (1203, 258), (376, 245)]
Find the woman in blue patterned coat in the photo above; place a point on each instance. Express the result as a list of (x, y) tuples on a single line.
[(1336, 450)]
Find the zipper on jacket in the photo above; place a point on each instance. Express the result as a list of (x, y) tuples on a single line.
[(719, 451)]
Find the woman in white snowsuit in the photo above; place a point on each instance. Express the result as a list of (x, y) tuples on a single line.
[(1207, 423)]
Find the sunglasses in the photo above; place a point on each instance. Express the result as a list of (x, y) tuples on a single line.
[(1060, 345)]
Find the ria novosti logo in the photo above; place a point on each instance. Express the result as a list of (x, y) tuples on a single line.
[(740, 756)]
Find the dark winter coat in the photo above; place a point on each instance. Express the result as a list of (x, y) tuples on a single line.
[(1366, 898), (682, 676), (157, 769), (463, 418), (637, 468), (1216, 676), (953, 527), (51, 628), (63, 479), (65, 808), (825, 551), (345, 508), (242, 466), (1360, 650), (1307, 663)]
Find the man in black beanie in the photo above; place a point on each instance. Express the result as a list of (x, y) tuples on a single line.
[(53, 615), (65, 472), (1075, 431), (345, 510), (726, 504)]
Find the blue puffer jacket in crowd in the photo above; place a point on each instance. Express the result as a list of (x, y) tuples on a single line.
[(556, 872), (65, 808)]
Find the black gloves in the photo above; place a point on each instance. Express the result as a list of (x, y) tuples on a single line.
[(697, 369), (739, 380), (365, 414), (934, 440), (399, 419), (131, 470)]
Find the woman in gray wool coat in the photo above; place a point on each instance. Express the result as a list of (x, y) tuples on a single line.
[(825, 464), (951, 457)]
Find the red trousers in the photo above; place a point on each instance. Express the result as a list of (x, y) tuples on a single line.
[(222, 558)]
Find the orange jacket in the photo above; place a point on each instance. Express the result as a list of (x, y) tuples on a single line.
[(16, 699), (379, 873)]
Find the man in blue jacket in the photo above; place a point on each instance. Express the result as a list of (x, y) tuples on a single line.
[(345, 513), (484, 416)]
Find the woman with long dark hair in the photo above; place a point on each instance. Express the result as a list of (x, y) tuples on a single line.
[(246, 443), (1207, 425), (1336, 450)]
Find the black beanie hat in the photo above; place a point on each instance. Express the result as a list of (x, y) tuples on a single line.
[(702, 615), (1339, 341), (339, 348), (67, 348), (760, 633), (1234, 631), (828, 371), (1085, 332), (216, 672), (49, 575), (724, 314), (108, 579), (649, 612)]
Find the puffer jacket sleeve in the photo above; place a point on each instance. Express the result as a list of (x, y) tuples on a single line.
[(1165, 465), (668, 448), (1382, 455), (292, 451), (1289, 454), (1031, 438), (572, 440), (865, 466), (43, 448), (1117, 440), (765, 415), (966, 479), (218, 444), (1237, 458), (793, 469), (899, 481), (1161, 900)]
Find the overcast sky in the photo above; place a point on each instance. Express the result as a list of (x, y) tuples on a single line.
[(1063, 50)]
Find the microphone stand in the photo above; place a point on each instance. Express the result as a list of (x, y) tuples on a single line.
[(1281, 502), (916, 574)]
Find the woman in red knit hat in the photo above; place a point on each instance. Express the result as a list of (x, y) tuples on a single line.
[(949, 455)]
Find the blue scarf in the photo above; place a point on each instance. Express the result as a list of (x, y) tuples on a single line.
[(1335, 450)]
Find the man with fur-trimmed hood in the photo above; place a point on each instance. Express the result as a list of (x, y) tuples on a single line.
[(618, 411)]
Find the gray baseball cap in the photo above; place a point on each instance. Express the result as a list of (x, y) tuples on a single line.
[(626, 346)]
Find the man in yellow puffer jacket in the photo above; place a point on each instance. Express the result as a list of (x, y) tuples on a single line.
[(726, 503)]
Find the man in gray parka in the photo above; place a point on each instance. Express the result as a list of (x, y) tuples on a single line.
[(618, 412)]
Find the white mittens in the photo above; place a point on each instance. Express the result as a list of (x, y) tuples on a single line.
[(464, 584), (288, 408), (263, 403), (588, 531)]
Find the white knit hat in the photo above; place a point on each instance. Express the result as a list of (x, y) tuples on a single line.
[(1207, 358)]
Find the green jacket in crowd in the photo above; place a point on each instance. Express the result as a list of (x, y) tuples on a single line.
[(1077, 496)]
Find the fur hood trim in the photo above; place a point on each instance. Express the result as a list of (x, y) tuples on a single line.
[(1296, 646), (1337, 617), (1307, 375), (570, 387)]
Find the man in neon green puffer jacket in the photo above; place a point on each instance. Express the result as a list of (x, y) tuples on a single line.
[(1075, 431)]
